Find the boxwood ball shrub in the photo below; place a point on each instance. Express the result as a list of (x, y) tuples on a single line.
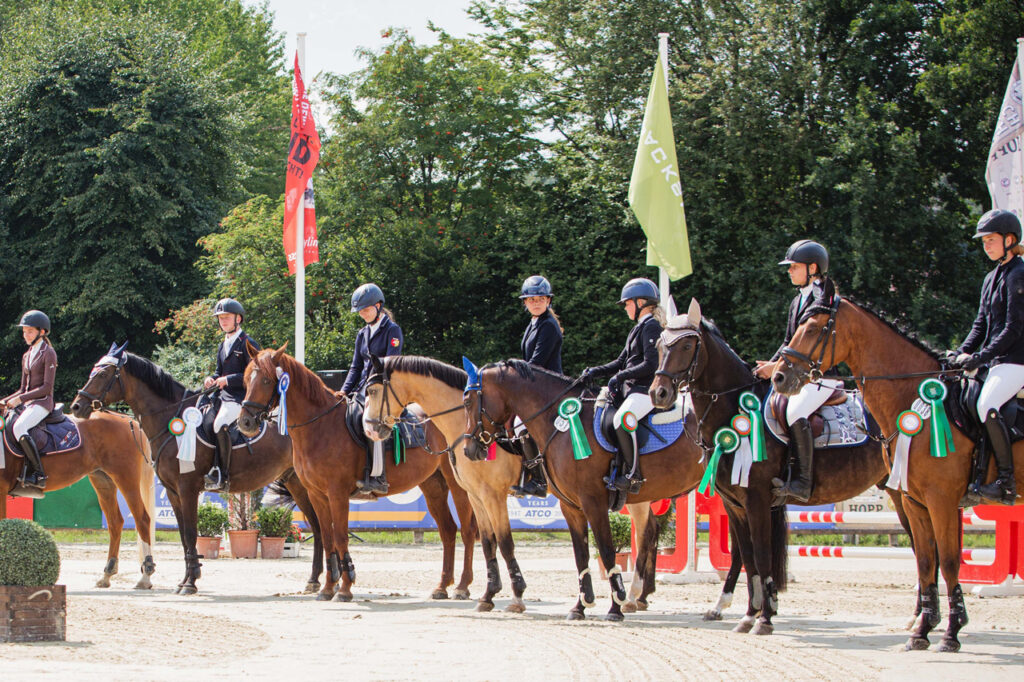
[(211, 519), (28, 554)]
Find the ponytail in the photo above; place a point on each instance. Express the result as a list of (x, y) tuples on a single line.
[(388, 312), (557, 319)]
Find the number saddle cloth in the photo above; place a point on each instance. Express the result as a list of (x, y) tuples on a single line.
[(57, 432), (843, 421), (658, 430)]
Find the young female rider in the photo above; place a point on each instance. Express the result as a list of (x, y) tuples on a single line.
[(541, 346), (38, 370), (380, 337), (232, 357), (997, 340), (807, 263), (632, 373)]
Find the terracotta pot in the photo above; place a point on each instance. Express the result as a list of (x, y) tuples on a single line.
[(208, 548), (271, 548), (243, 543)]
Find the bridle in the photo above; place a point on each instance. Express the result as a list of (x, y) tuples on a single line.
[(96, 402), (826, 339), (669, 338), (261, 411)]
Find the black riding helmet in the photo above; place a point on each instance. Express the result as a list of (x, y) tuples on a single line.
[(226, 306), (998, 221), (806, 252), (35, 318), (535, 285)]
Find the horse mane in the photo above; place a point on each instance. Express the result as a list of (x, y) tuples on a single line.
[(154, 376), (715, 332), (427, 367), (527, 371), (910, 336), (301, 378)]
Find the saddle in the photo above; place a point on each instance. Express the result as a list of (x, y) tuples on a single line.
[(962, 405), (842, 421), (57, 433), (206, 434), (658, 430), (414, 435)]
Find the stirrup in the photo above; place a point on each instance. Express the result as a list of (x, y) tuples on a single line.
[(34, 480), (213, 480)]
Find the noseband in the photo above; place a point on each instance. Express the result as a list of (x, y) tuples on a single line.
[(826, 338)]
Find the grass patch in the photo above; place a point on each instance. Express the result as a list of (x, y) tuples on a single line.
[(86, 536)]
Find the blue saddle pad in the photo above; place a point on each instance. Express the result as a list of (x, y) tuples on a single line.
[(649, 437), (50, 437)]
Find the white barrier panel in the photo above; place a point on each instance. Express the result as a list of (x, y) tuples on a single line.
[(863, 518), (837, 552)]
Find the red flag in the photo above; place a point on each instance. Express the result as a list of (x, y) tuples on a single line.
[(303, 154)]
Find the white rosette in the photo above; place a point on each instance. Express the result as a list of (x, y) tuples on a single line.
[(909, 423), (744, 457), (187, 441)]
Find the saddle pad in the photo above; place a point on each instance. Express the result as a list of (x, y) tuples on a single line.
[(845, 425), (651, 436), (414, 435), (238, 440), (51, 437)]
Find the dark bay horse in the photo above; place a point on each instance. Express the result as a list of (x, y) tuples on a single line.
[(437, 388), (115, 457), (882, 359), (514, 387), (698, 358), (329, 461), (155, 398)]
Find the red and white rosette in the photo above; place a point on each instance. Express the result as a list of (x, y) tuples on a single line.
[(744, 457), (908, 424), (192, 418)]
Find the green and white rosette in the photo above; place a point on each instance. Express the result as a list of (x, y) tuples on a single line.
[(909, 424), (569, 410), (744, 457), (750, 405), (933, 392), (726, 440), (396, 435)]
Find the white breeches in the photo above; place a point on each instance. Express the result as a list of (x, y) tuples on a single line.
[(638, 403), (1002, 383), (378, 458), (518, 427), (226, 415), (32, 415), (811, 397)]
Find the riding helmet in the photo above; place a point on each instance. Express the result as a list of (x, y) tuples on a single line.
[(639, 287), (535, 285), (365, 296), (35, 318), (228, 306), (806, 251), (998, 221)]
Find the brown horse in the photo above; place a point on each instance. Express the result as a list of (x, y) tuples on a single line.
[(889, 366), (694, 356), (114, 456), (515, 388), (329, 461), (156, 398), (437, 388)]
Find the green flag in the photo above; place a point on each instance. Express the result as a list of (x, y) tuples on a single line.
[(655, 192)]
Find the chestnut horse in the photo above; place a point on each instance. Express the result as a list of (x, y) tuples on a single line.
[(115, 456), (515, 387), (156, 398), (694, 356), (329, 461), (437, 388), (889, 366)]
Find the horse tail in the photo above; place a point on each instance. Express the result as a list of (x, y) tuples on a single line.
[(780, 548), (277, 495)]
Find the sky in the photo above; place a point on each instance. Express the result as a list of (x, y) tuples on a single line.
[(335, 28)]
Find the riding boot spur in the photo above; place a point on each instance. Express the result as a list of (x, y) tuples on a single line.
[(801, 451), (1004, 488), (36, 478), (532, 480), (217, 478), (629, 479)]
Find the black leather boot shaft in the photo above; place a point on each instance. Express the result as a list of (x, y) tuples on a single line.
[(1004, 488), (533, 481), (802, 454), (36, 477)]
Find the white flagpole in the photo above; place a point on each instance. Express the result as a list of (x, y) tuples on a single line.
[(300, 240), (663, 281)]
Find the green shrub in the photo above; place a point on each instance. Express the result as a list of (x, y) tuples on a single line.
[(28, 554), (211, 519), (274, 522), (621, 526)]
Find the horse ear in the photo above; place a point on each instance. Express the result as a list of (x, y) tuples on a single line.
[(693, 313), (473, 379), (120, 351), (830, 291), (280, 351), (376, 363), (113, 349), (251, 349)]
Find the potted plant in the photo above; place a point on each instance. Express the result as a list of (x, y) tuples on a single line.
[(32, 607), (274, 524), (292, 542), (211, 520), (243, 532)]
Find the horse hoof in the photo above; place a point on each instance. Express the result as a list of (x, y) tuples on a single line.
[(712, 614), (515, 607), (576, 615), (613, 617), (949, 646), (103, 582), (439, 594), (342, 596), (187, 590), (311, 587), (917, 644), (629, 607), (461, 593), (484, 606), (144, 584), (641, 605), (324, 596), (744, 626), (763, 629)]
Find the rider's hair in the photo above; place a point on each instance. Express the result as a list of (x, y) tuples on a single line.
[(657, 311), (388, 312)]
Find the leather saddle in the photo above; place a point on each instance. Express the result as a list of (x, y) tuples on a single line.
[(56, 433)]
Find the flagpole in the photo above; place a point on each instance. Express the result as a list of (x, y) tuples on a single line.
[(663, 281), (300, 241)]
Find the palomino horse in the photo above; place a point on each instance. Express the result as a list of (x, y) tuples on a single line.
[(329, 461), (156, 398), (695, 356), (437, 388), (114, 456), (889, 366), (515, 388)]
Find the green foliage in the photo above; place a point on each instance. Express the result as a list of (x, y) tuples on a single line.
[(242, 508), (211, 519), (622, 529), (274, 522), (28, 554)]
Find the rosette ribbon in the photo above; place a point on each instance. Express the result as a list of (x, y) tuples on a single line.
[(569, 410), (3, 460), (726, 440), (283, 382), (751, 405), (184, 429), (396, 434), (908, 424), (744, 458), (933, 392)]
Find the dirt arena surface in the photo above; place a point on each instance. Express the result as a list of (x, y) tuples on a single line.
[(841, 619)]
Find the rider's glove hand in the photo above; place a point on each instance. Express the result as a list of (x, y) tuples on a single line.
[(969, 362)]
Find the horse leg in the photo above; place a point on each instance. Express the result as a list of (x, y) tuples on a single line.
[(948, 538), (435, 493), (729, 586), (106, 493), (596, 511), (897, 503), (337, 497), (305, 505), (577, 523), (744, 547), (333, 572), (759, 516), (925, 555), (469, 532), (189, 533), (132, 487), (642, 520), (489, 545)]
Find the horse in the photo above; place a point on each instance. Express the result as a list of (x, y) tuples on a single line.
[(437, 387), (695, 356), (114, 457), (155, 397), (329, 461), (514, 387), (889, 365)]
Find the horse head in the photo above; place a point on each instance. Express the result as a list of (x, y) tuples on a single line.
[(261, 379), (682, 356), (104, 384), (382, 407), (815, 347)]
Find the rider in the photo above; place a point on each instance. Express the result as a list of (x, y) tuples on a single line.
[(997, 340), (632, 373), (541, 346), (38, 370), (807, 263), (232, 358), (380, 337)]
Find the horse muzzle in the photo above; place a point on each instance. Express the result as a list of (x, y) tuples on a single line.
[(787, 381), (662, 396)]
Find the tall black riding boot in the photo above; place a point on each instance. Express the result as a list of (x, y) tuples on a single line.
[(801, 454), (372, 484), (532, 481), (217, 478), (1004, 488), (36, 478), (629, 479)]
